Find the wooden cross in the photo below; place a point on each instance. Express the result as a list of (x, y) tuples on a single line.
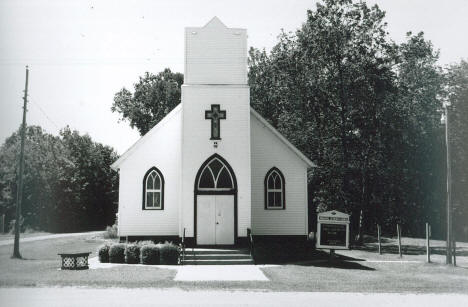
[(215, 114)]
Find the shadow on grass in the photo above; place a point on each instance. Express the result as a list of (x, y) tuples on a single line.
[(317, 258), (337, 264)]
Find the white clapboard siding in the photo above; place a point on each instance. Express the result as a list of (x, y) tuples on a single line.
[(269, 151), (215, 54), (234, 145), (160, 148)]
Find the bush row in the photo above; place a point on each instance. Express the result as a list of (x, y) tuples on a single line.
[(144, 253)]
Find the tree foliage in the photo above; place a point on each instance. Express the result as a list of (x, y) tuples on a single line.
[(68, 183), (368, 111), (457, 81), (154, 96)]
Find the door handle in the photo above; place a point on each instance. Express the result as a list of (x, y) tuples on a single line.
[(217, 223)]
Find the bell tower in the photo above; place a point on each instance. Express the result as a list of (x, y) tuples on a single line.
[(216, 115)]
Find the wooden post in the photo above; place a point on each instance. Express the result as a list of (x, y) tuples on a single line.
[(454, 251), (2, 227), (378, 238), (428, 247), (332, 255), (399, 239), (19, 192)]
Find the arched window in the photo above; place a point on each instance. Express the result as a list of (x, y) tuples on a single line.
[(215, 176), (153, 190), (274, 189)]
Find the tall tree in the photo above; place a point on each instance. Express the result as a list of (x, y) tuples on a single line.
[(154, 96), (458, 127), (68, 183)]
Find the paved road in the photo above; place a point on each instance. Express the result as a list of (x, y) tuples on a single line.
[(177, 297), (46, 237)]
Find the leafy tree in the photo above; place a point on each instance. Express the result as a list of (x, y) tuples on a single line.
[(68, 183), (154, 96), (368, 111), (458, 130)]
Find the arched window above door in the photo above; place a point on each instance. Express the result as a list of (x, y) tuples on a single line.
[(215, 176)]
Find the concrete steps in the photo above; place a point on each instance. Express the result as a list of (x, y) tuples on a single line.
[(214, 256)]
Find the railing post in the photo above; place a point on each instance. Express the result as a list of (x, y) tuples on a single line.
[(428, 247), (399, 239), (454, 244), (378, 238)]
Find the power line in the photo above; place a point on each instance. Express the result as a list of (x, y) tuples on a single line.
[(34, 102)]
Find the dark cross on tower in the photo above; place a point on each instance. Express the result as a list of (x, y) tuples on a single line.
[(215, 115)]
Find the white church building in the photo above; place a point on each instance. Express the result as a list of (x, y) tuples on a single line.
[(213, 167)]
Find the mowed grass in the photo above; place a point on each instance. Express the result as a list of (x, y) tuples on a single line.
[(351, 272)]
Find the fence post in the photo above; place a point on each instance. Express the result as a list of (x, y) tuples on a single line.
[(428, 247), (378, 238), (2, 224), (454, 252), (399, 239)]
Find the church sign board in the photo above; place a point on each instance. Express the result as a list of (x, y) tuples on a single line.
[(333, 230)]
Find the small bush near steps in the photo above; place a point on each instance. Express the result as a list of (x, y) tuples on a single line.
[(168, 253), (132, 254), (149, 254), (111, 232), (103, 253), (117, 253)]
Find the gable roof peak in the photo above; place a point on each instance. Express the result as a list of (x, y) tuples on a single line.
[(215, 22)]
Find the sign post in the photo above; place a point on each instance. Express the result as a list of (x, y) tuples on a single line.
[(332, 230)]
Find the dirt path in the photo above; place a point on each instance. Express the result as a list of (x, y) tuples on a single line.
[(47, 237)]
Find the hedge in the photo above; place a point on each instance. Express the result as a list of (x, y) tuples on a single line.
[(168, 253), (103, 253), (149, 254), (132, 254), (117, 253)]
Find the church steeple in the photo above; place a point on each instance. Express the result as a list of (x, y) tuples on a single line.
[(215, 54)]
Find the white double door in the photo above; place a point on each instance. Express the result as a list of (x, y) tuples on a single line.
[(215, 219)]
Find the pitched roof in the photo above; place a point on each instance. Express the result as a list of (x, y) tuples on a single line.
[(282, 138), (115, 166)]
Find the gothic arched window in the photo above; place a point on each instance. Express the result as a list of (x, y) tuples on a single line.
[(215, 176), (153, 190), (274, 189)]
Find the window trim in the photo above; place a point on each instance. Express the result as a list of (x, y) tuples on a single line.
[(283, 189), (161, 177)]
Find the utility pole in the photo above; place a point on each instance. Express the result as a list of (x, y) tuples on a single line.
[(448, 259), (19, 194)]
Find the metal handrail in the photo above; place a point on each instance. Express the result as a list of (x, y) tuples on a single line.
[(251, 244), (183, 247)]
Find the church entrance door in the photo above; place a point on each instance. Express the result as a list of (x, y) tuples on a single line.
[(215, 211), (215, 219)]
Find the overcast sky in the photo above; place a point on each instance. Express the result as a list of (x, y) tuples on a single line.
[(81, 53)]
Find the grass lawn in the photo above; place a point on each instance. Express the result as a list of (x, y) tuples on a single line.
[(350, 273)]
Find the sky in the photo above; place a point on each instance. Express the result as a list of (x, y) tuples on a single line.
[(80, 53)]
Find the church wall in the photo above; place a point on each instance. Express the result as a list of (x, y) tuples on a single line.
[(161, 149), (234, 145), (269, 151)]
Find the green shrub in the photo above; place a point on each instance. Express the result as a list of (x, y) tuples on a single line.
[(168, 253), (149, 254), (103, 253), (144, 242), (111, 232), (132, 254), (117, 253)]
